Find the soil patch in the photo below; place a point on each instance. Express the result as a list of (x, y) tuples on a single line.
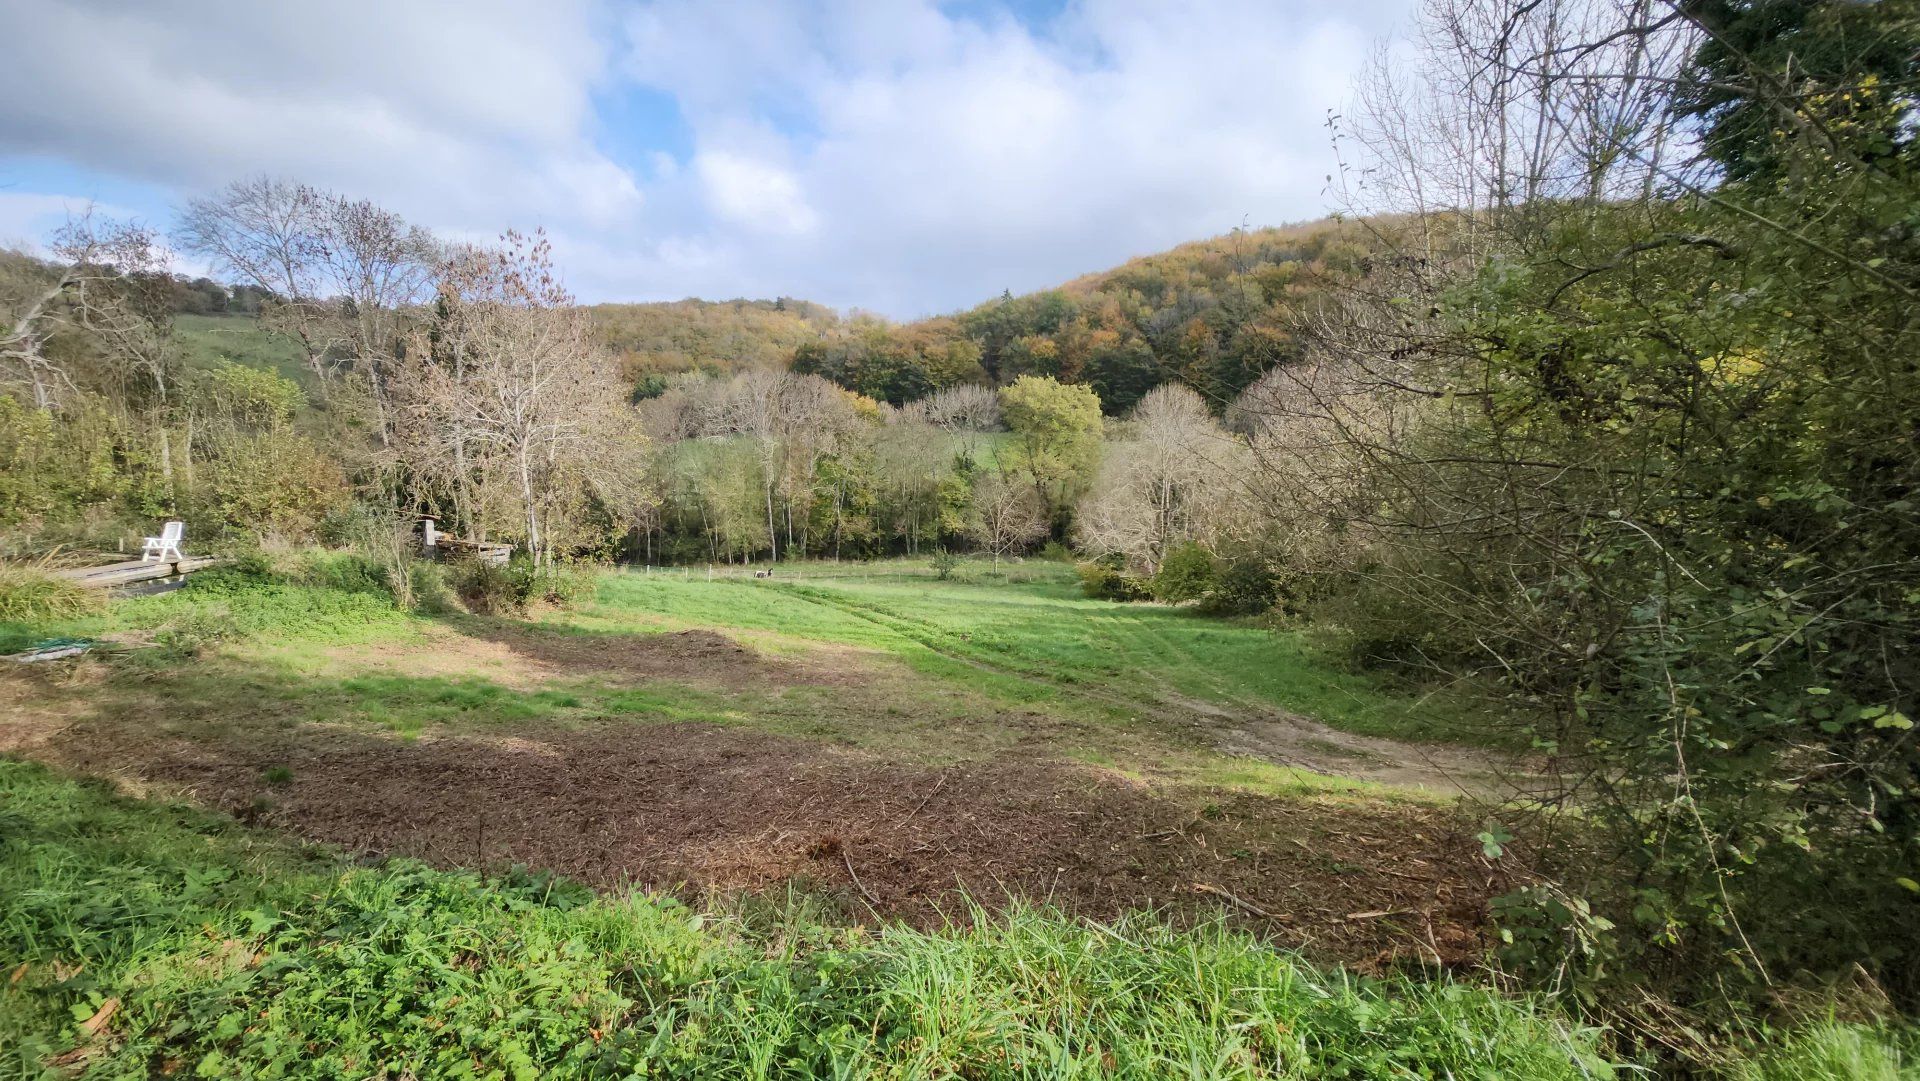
[(693, 808), (1292, 740), (691, 656)]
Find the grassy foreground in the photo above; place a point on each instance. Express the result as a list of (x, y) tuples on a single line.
[(144, 939), (154, 939)]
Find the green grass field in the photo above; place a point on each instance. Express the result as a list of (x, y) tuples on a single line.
[(239, 339), (1026, 629), (1120, 685), (776, 731)]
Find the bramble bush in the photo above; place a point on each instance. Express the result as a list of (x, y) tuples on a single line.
[(1105, 582)]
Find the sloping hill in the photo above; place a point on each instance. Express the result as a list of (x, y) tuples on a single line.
[(1212, 314), (711, 336)]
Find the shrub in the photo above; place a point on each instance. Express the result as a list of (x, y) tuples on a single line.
[(271, 482), (1104, 582), (492, 588), (29, 595), (566, 585), (1243, 586), (944, 563), (482, 586), (1188, 573), (251, 596), (346, 571), (430, 588), (1055, 552)]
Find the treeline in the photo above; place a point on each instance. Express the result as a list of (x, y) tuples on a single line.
[(1212, 316), (775, 465), (1165, 502), (104, 428), (452, 379)]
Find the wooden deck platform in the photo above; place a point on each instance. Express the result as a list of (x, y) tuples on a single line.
[(120, 574), (446, 546)]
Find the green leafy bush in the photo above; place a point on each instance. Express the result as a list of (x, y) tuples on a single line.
[(250, 596), (1188, 573), (482, 586), (346, 571), (1108, 583), (944, 563), (516, 586), (1243, 586)]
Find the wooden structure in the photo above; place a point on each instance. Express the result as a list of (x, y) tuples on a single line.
[(437, 545), (139, 570)]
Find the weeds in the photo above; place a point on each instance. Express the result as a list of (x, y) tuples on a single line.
[(1836, 1051)]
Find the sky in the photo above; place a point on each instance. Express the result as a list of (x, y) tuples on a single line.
[(905, 157)]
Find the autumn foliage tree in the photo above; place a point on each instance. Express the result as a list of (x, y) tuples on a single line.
[(1055, 445)]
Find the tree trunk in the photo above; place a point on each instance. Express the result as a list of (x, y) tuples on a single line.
[(533, 513), (773, 537)]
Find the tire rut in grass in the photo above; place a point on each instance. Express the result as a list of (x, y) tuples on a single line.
[(1233, 724)]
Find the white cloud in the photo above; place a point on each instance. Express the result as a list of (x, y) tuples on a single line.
[(461, 112), (888, 154), (946, 158), (754, 194), (28, 218)]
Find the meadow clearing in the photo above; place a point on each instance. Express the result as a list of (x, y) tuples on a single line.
[(853, 820), (903, 739)]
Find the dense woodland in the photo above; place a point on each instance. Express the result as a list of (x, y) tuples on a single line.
[(1601, 403)]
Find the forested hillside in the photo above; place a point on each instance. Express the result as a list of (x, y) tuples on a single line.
[(711, 336), (1211, 315)]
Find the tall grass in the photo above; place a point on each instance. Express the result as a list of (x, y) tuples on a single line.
[(28, 594), (1836, 1051), (196, 947)]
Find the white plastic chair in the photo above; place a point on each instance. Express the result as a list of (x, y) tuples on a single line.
[(167, 541)]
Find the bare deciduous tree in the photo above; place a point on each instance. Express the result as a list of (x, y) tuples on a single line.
[(509, 390), (1173, 476), (106, 283), (343, 275), (966, 411), (1005, 516)]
